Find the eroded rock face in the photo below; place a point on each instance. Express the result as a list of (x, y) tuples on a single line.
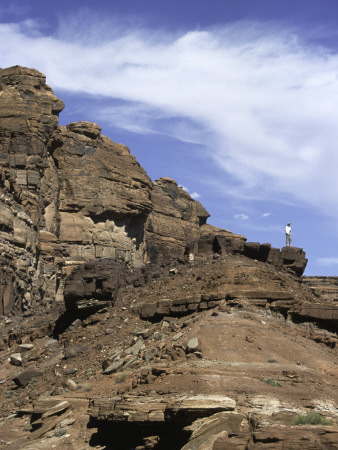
[(70, 195), (93, 286), (173, 227), (324, 287), (28, 115)]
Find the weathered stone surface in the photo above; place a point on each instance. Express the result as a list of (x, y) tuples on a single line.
[(114, 367), (28, 115), (93, 285), (200, 404), (251, 249), (148, 310), (193, 345), (48, 413), (319, 312), (173, 227), (73, 350), (16, 359), (207, 431), (324, 287), (49, 406), (215, 240), (25, 377), (294, 259)]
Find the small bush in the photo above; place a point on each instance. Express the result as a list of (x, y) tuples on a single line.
[(121, 378), (27, 427), (155, 275), (272, 382), (272, 360), (310, 419), (60, 432), (11, 394), (86, 387)]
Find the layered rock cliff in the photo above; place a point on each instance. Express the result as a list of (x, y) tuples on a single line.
[(70, 195), (127, 321)]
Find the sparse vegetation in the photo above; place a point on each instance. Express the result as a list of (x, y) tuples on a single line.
[(60, 432), (312, 418), (10, 394), (120, 378), (155, 275), (272, 382), (86, 387), (272, 360), (27, 427)]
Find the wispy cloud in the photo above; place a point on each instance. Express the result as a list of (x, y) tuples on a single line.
[(241, 216), (267, 214), (327, 261), (261, 100)]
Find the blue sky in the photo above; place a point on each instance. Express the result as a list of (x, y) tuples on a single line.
[(235, 99)]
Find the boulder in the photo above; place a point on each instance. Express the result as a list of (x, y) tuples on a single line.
[(293, 258), (27, 376), (193, 345), (73, 351), (251, 249)]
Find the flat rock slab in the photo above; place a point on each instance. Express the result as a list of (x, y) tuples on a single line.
[(204, 402)]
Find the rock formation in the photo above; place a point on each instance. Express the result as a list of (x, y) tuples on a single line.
[(70, 195), (127, 321)]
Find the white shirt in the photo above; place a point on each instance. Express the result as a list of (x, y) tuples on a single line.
[(287, 229)]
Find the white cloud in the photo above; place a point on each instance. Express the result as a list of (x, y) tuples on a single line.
[(266, 214), (195, 195), (241, 216), (261, 100), (327, 261)]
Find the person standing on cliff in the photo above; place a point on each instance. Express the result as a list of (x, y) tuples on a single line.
[(288, 234)]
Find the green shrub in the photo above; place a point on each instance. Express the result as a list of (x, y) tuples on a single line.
[(272, 382), (312, 418), (155, 275), (27, 427)]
